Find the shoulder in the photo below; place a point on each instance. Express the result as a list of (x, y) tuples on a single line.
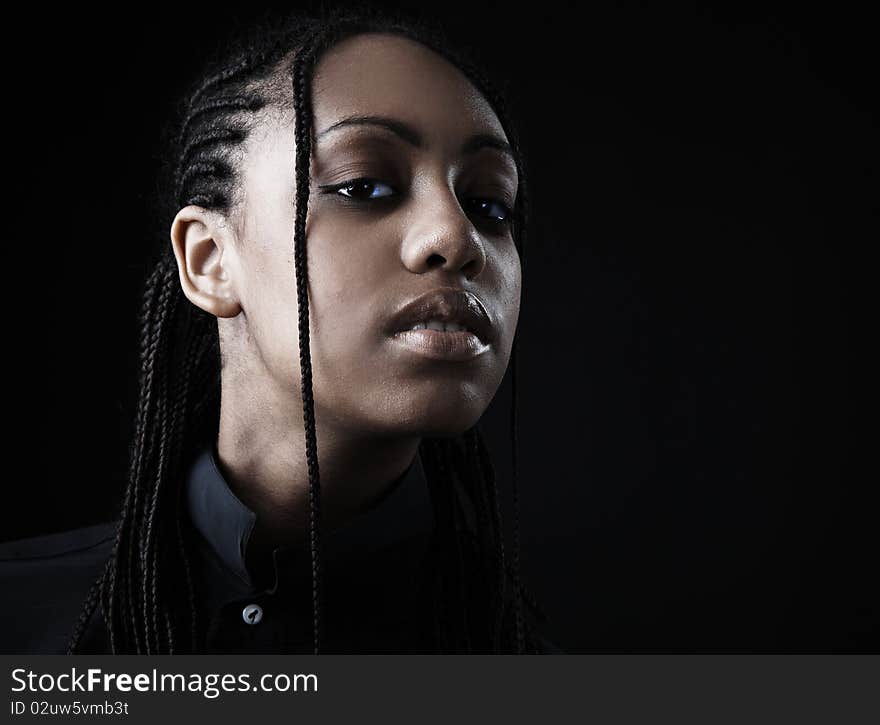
[(63, 544), (45, 580)]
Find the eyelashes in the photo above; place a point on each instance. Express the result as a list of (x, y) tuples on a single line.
[(355, 188), (367, 190)]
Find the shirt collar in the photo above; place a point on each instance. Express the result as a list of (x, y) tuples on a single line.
[(226, 523)]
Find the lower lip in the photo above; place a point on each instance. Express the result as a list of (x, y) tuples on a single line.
[(441, 345)]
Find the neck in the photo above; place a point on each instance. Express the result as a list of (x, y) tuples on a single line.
[(264, 463)]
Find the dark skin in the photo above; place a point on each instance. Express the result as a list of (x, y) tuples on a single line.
[(374, 401)]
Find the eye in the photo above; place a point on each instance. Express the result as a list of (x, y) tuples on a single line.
[(491, 209), (364, 189)]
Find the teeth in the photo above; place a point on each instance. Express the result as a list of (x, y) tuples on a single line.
[(440, 326)]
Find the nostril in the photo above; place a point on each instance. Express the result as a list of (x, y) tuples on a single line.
[(472, 268), (436, 260)]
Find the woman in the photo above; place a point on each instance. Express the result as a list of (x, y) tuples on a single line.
[(338, 496)]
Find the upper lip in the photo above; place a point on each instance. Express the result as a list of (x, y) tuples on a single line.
[(447, 304)]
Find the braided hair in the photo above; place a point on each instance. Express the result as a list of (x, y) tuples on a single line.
[(146, 591)]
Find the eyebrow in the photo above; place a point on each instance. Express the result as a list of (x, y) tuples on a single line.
[(414, 138)]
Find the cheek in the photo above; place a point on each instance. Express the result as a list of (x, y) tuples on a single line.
[(510, 287), (350, 279), (347, 274)]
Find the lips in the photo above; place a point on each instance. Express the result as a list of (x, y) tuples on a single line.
[(446, 305)]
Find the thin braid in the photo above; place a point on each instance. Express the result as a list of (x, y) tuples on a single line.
[(152, 549), (147, 580), (210, 137), (161, 280), (302, 68), (169, 629), (493, 541), (461, 528), (487, 536), (194, 351), (165, 307), (488, 470), (144, 447), (480, 496), (86, 613), (168, 428), (123, 532), (178, 420), (167, 460), (214, 167), (238, 68), (234, 103), (448, 544), (150, 552), (439, 618), (168, 295), (190, 588), (518, 614), (208, 200)]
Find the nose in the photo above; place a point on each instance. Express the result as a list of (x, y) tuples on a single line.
[(441, 236)]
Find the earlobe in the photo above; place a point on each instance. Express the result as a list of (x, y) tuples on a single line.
[(199, 242)]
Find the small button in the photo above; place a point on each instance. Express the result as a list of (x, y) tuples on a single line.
[(252, 614)]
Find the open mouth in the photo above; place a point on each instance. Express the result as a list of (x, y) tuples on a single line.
[(441, 341), (441, 326), (446, 310)]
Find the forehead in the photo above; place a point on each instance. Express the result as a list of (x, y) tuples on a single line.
[(389, 75)]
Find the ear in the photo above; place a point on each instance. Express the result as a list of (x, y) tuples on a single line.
[(200, 243)]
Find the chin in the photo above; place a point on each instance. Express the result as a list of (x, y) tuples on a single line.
[(446, 419), (427, 411)]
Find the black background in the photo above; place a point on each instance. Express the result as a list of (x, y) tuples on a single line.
[(692, 478)]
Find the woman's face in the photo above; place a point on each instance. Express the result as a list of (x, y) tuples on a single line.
[(427, 216)]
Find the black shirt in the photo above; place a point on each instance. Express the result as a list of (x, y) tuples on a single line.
[(375, 600), (370, 573)]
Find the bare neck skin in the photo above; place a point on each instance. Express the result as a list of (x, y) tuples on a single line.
[(261, 449)]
